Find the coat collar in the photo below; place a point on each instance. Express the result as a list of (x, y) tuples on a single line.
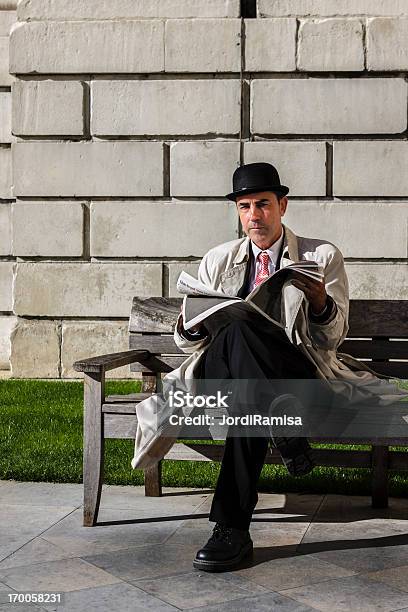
[(290, 248)]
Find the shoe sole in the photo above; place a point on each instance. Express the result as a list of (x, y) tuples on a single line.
[(224, 566)]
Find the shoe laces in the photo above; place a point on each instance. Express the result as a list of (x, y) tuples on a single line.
[(221, 533)]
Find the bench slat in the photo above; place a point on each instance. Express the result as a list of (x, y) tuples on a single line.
[(154, 314), (375, 349), (156, 344), (378, 318), (172, 361)]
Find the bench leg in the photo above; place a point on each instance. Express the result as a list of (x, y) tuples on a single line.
[(379, 468), (93, 445), (152, 476)]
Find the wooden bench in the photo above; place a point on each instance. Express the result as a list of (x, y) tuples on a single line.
[(378, 331)]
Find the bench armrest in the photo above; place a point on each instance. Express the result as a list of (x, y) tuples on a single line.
[(111, 361)]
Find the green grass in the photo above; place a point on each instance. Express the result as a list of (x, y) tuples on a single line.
[(41, 440)]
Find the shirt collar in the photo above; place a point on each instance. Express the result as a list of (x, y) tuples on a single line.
[(273, 250)]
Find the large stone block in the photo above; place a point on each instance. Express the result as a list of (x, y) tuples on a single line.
[(356, 228), (270, 45), (202, 168), (83, 289), (175, 269), (7, 19), (5, 117), (301, 165), (160, 229), (203, 45), (6, 285), (47, 228), (89, 46), (387, 44), (5, 172), (35, 349), (5, 229), (126, 168), (47, 108), (6, 326), (5, 78), (330, 8), (378, 281), (331, 44), (328, 106), (80, 339), (370, 168), (166, 107), (124, 9)]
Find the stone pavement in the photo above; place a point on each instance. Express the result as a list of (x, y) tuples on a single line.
[(312, 552)]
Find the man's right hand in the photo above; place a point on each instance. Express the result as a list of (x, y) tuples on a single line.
[(192, 330)]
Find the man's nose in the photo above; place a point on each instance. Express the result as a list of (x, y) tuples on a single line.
[(254, 213)]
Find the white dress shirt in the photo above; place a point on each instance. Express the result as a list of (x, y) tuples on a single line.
[(273, 253)]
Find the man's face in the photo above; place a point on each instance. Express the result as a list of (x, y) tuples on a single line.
[(260, 214)]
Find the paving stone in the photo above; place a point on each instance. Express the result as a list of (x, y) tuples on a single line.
[(64, 575), (394, 577), (146, 561), (133, 498), (259, 603), (41, 493), (19, 525), (35, 551), (121, 596), (350, 593), (281, 572), (70, 535), (193, 589)]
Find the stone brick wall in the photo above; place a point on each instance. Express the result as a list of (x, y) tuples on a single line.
[(122, 121)]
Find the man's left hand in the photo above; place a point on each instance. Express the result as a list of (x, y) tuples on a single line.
[(314, 291)]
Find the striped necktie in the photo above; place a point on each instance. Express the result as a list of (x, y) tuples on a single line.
[(263, 268)]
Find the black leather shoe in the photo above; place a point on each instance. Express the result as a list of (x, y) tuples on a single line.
[(225, 549), (297, 454)]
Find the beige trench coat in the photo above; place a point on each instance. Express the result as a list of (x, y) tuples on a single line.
[(223, 268)]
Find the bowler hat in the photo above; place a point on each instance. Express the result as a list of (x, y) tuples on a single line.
[(260, 176)]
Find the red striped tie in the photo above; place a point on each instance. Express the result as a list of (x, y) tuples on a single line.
[(263, 268)]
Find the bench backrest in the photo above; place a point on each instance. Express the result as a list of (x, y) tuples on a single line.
[(378, 333)]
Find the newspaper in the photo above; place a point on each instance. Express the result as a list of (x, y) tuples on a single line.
[(201, 303)]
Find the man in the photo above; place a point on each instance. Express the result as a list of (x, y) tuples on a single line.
[(314, 319)]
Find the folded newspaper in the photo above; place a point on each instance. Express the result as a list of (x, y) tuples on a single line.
[(201, 303)]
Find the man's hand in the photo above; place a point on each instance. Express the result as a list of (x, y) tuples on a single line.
[(314, 291), (192, 330)]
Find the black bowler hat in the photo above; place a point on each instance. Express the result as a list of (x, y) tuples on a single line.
[(260, 176)]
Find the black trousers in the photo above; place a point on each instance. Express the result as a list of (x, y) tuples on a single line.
[(247, 350)]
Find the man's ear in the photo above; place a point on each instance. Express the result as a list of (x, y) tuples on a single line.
[(283, 203)]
